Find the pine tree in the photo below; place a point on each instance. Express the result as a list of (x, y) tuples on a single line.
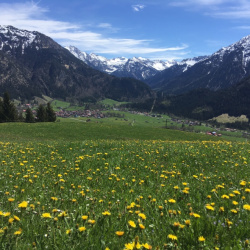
[(1, 111), (9, 109), (29, 117), (51, 115), (41, 114), (20, 117)]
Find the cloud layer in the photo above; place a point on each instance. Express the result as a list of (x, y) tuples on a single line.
[(33, 17), (230, 9)]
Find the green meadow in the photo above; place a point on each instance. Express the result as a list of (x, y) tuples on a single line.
[(118, 184), (77, 129)]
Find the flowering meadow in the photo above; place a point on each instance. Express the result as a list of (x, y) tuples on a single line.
[(132, 194)]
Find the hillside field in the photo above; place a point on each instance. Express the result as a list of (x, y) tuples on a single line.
[(80, 185)]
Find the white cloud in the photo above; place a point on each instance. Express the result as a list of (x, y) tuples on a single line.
[(30, 16), (230, 9), (200, 3), (138, 7), (244, 27), (33, 17), (105, 25)]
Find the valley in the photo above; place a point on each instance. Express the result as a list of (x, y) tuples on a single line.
[(142, 154)]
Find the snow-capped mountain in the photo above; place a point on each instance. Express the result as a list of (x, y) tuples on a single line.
[(172, 72), (32, 64), (222, 69), (136, 67)]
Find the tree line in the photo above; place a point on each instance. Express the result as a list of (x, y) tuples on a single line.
[(9, 113)]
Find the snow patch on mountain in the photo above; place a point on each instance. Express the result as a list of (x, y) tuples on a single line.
[(187, 63)]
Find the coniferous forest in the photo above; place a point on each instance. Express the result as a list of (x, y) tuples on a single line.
[(9, 113)]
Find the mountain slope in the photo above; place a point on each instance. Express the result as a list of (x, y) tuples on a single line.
[(205, 104), (33, 64), (138, 68), (221, 70)]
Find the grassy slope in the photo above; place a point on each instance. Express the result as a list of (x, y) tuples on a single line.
[(69, 130)]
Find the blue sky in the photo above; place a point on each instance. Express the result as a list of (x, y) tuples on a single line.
[(155, 29)]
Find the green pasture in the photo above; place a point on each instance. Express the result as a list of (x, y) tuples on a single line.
[(110, 102), (71, 130)]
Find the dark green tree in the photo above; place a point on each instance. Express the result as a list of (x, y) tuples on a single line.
[(20, 117), (51, 115), (41, 114), (9, 109), (1, 111), (29, 117)]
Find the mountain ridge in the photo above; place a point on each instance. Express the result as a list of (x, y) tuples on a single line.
[(34, 64), (138, 67), (222, 69)]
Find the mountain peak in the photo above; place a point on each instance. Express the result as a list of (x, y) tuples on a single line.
[(10, 31), (135, 67)]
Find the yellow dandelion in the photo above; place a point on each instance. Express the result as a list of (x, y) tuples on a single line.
[(196, 215), (106, 213), (119, 233), (201, 239), (147, 246), (46, 215), (143, 216), (176, 224), (18, 232), (92, 222), (132, 224), (81, 229), (236, 192), (246, 207), (16, 218), (85, 217), (23, 204), (172, 237), (234, 211), (243, 183), (221, 209), (62, 214), (11, 220), (172, 201), (209, 207)]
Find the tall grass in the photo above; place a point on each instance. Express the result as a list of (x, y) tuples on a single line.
[(133, 194)]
